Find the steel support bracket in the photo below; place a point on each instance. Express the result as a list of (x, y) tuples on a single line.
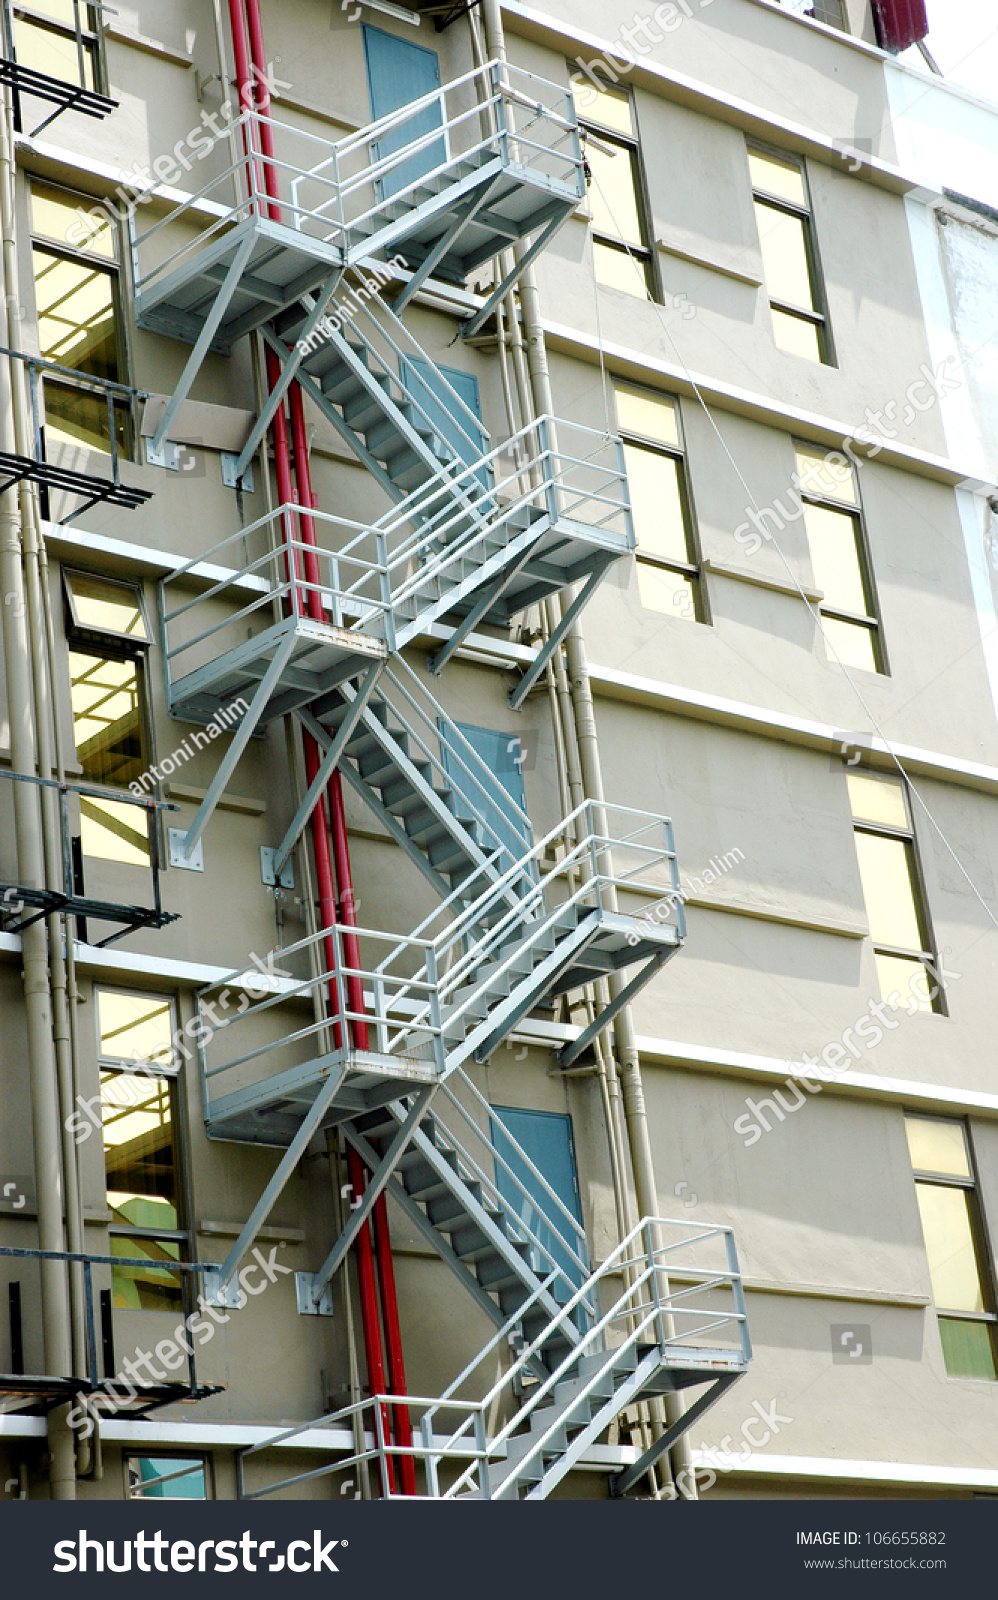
[(312, 1301)]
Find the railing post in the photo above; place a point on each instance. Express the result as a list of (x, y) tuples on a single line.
[(482, 1446), (380, 1013), (88, 1297), (439, 1051), (429, 1459)]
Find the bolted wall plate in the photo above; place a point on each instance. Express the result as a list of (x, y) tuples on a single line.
[(167, 457), (267, 859), (230, 462), (304, 1288), (214, 1294), (192, 863)]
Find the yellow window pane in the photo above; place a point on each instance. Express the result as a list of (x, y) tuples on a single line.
[(615, 269), (832, 538), (667, 592), (609, 107), (57, 215), (784, 256), (877, 800), (851, 643), (76, 315), (111, 607), (820, 474), (139, 1156), (613, 198), (908, 979), (968, 1348), (76, 416), (796, 336), (782, 178), (949, 1245), (135, 1027), (936, 1145), (107, 719), (885, 871), (114, 831), (53, 53), (61, 11), (656, 503), (651, 415)]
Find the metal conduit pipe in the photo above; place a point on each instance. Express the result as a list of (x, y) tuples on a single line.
[(625, 1039), (46, 1122), (369, 1313)]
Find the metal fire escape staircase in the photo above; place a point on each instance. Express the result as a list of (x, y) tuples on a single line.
[(472, 534)]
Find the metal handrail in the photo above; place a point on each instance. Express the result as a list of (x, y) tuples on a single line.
[(646, 1309), (111, 390)]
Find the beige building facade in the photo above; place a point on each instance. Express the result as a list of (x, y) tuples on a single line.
[(651, 626)]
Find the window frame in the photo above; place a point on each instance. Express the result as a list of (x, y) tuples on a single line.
[(692, 570), (980, 1237), (114, 269), (91, 38), (175, 1080), (928, 956), (631, 144), (842, 26), (873, 621), (817, 314)]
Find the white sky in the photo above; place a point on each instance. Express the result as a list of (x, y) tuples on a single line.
[(963, 38)]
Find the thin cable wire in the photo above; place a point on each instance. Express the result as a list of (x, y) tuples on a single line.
[(833, 653)]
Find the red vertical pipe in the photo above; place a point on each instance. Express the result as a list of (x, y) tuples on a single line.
[(341, 847), (393, 1341), (369, 1309)]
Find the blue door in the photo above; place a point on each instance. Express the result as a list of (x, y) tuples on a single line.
[(502, 783), (425, 382), (546, 1137), (397, 73)]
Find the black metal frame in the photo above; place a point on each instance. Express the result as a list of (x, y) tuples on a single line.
[(41, 85), (15, 468), (15, 898), (817, 314), (55, 1390)]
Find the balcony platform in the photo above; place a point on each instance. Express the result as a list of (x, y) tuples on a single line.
[(317, 657), (270, 1111)]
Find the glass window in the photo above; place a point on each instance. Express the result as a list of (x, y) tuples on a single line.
[(142, 1189), (46, 40), (668, 569), (827, 11), (167, 1478), (77, 295), (135, 1027), (892, 890), (953, 1230), (836, 540), (99, 605), (789, 256), (622, 246)]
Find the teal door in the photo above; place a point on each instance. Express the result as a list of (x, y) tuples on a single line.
[(502, 784), (399, 72), (546, 1137), (425, 382)]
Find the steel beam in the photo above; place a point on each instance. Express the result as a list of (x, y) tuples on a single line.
[(582, 599), (377, 1181), (204, 341), (440, 249), (470, 328), (240, 739), (343, 735), (483, 604), (290, 362), (569, 1052), (285, 1167), (620, 1482)]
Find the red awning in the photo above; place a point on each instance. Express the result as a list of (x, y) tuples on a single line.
[(899, 23)]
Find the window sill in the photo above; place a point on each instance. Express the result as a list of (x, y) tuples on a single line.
[(722, 569), (750, 278)]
